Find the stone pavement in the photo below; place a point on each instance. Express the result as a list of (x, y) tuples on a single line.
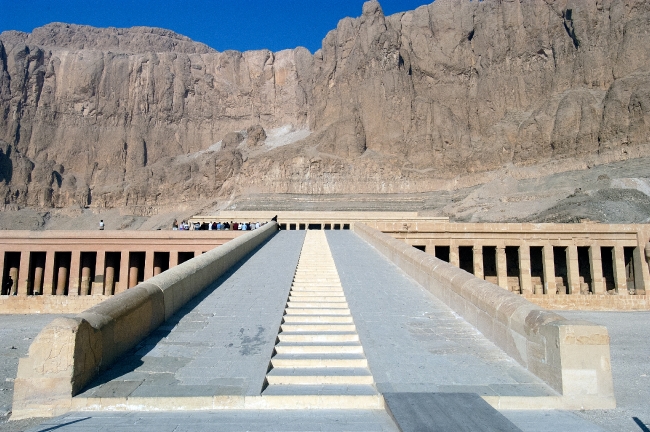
[(413, 341), (221, 342), (223, 421)]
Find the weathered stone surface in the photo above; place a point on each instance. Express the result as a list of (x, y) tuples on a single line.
[(404, 103)]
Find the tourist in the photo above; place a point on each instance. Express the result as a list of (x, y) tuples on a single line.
[(101, 225), (175, 225), (235, 226)]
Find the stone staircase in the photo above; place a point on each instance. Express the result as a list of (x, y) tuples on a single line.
[(318, 359)]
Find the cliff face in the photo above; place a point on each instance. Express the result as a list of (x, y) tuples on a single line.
[(145, 117)]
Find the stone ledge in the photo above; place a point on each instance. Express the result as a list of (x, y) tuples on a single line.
[(572, 357), (44, 304)]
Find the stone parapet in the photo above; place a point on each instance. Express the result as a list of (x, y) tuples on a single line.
[(70, 352), (571, 357)]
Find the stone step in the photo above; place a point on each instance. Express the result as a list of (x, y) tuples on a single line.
[(321, 288), (307, 294), (320, 305), (304, 390), (321, 319), (322, 337), (316, 376), (311, 299), (317, 328), (316, 311), (311, 361), (319, 348)]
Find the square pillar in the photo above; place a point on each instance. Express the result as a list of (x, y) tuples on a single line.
[(23, 273), (572, 269), (148, 264), (502, 269), (596, 266), (524, 269), (641, 275), (2, 264), (48, 274), (550, 287), (98, 283), (620, 279), (124, 273), (454, 258), (173, 258), (478, 261), (73, 277)]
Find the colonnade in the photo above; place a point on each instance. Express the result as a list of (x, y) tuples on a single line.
[(550, 269), (79, 273)]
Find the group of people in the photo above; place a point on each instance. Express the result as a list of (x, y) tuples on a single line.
[(216, 226)]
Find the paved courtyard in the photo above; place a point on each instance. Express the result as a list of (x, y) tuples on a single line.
[(221, 343)]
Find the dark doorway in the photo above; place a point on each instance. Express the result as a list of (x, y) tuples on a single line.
[(466, 258), (512, 268), (584, 270), (537, 269), (490, 263), (607, 260), (442, 253), (561, 270), (422, 248)]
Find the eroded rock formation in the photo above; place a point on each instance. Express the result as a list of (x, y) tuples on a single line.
[(404, 103)]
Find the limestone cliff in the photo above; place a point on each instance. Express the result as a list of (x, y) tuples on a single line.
[(411, 102)]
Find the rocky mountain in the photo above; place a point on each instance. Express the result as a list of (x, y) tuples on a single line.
[(446, 96)]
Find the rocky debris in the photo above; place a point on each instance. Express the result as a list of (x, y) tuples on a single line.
[(443, 97)]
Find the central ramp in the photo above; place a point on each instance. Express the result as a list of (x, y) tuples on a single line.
[(318, 360)]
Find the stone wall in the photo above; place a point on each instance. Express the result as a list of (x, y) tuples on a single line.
[(69, 352), (571, 357)]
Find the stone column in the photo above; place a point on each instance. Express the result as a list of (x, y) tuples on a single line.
[(159, 263), (454, 258), (478, 261), (73, 285), (173, 258), (148, 264), (620, 278), (572, 269), (39, 271), (48, 277), (596, 267), (13, 274), (23, 273), (133, 270), (109, 275), (100, 264), (62, 277), (524, 269), (502, 269), (86, 272), (124, 273), (549, 270)]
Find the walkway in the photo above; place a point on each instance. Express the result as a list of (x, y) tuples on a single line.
[(319, 360), (413, 341), (220, 343)]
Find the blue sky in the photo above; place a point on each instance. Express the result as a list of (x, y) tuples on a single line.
[(222, 24)]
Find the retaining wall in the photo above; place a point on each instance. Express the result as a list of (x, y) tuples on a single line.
[(572, 357), (69, 352)]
